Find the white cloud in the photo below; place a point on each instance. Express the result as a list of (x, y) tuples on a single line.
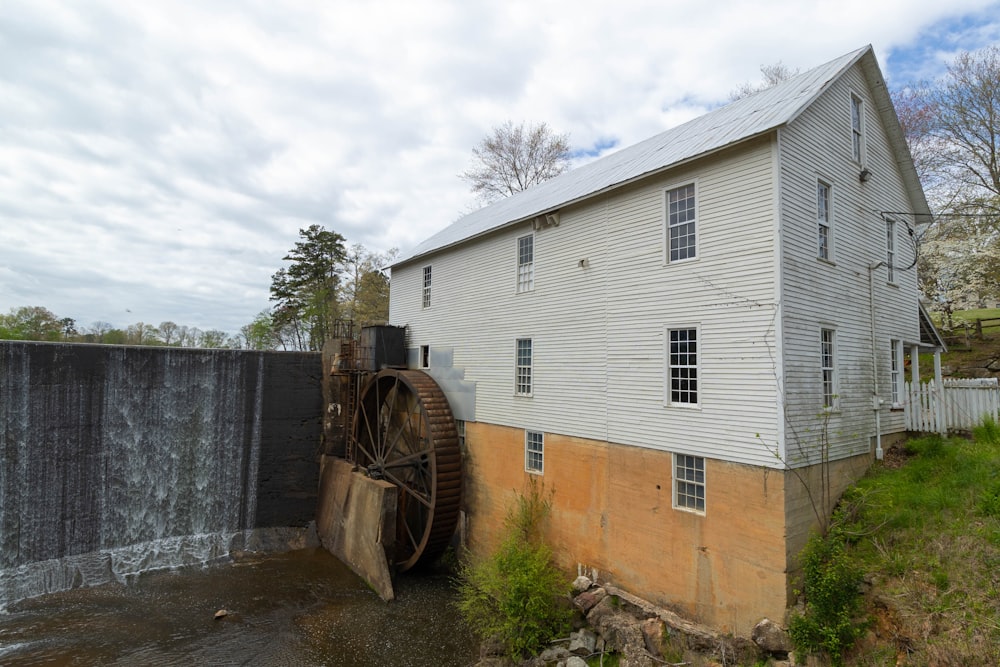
[(157, 159)]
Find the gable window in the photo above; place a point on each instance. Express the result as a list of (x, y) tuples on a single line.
[(534, 451), (681, 223), (523, 374), (689, 482), (857, 128), (890, 250), (427, 287), (526, 263), (828, 368), (823, 218), (682, 361)]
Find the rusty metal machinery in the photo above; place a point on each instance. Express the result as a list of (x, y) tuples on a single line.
[(404, 433)]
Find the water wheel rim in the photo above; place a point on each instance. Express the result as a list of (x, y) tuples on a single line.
[(405, 433)]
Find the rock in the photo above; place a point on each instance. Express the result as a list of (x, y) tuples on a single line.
[(582, 643), (652, 633), (582, 583), (554, 654), (771, 637), (222, 613), (492, 647), (576, 661), (588, 600), (622, 634)]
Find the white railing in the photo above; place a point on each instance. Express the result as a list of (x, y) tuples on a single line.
[(959, 405)]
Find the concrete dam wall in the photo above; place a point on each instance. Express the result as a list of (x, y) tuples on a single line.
[(115, 460)]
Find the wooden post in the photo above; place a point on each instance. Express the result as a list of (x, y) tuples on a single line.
[(939, 395)]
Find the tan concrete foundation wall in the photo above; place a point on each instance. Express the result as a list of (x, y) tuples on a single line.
[(612, 511)]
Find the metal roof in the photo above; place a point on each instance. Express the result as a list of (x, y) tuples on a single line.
[(736, 122)]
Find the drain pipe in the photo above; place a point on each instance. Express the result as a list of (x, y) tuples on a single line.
[(876, 401)]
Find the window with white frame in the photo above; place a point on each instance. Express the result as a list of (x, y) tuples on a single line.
[(523, 373), (857, 128), (427, 287), (823, 218), (828, 367), (896, 370), (460, 432), (534, 452), (681, 223), (689, 482), (682, 362), (526, 263), (890, 250)]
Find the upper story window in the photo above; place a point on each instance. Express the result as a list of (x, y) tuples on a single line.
[(526, 263), (857, 128), (890, 250), (681, 223), (828, 369), (427, 287), (522, 380), (823, 218), (682, 361), (534, 452)]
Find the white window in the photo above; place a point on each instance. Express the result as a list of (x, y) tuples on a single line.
[(823, 218), (425, 356), (890, 250), (523, 374), (534, 451), (689, 482), (460, 431), (681, 223), (896, 370), (526, 263), (828, 368), (682, 362), (427, 287), (857, 128)]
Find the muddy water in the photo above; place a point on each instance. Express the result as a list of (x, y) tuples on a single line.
[(299, 608)]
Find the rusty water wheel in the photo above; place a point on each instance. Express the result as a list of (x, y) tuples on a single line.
[(404, 433)]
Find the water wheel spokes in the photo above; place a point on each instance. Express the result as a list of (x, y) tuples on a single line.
[(405, 434)]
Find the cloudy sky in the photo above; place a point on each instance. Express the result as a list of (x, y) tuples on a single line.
[(158, 158)]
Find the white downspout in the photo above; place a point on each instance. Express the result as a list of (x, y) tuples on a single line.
[(876, 401)]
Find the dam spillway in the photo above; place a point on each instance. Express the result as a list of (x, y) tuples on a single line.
[(117, 460)]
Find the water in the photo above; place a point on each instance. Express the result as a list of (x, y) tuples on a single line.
[(301, 608)]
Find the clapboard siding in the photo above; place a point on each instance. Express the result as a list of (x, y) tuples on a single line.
[(598, 331), (605, 296), (817, 294)]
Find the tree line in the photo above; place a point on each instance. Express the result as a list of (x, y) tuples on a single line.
[(325, 286), (40, 324)]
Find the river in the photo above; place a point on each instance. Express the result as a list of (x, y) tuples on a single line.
[(301, 608)]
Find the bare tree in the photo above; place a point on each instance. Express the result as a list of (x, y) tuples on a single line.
[(966, 107), (772, 75), (512, 158)]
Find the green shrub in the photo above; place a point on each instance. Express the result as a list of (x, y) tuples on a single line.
[(517, 595), (831, 586)]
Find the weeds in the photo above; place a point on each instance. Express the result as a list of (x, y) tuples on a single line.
[(517, 595)]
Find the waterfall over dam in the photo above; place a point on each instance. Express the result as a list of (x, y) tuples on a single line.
[(116, 460)]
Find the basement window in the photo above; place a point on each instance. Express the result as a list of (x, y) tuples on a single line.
[(534, 450), (689, 482)]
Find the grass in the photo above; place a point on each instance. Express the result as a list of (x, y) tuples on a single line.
[(927, 535), (966, 355)]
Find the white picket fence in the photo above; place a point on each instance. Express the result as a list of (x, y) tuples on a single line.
[(958, 406)]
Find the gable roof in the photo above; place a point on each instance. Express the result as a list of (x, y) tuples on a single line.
[(726, 126)]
